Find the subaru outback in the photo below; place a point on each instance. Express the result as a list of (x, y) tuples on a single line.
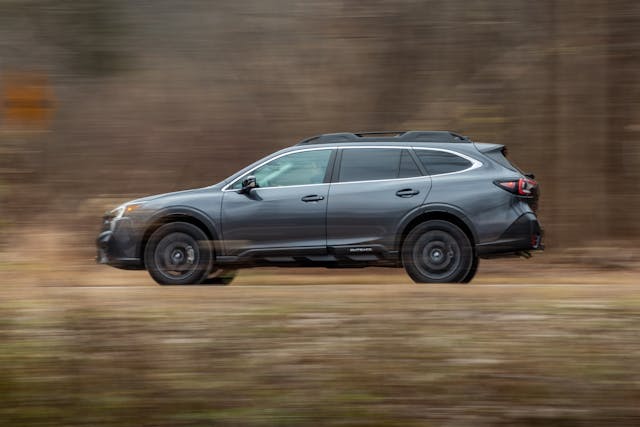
[(433, 202)]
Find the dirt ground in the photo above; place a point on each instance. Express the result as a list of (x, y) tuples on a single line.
[(529, 342)]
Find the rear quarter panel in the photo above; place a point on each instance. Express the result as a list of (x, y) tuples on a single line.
[(490, 209)]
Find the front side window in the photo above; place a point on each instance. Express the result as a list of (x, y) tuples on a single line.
[(370, 164), (440, 162), (302, 168)]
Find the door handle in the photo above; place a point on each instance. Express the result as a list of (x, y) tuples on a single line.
[(312, 198), (407, 192)]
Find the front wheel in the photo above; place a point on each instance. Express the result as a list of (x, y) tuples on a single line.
[(438, 252), (178, 253)]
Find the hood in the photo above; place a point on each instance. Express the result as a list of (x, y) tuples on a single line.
[(176, 194), (186, 197)]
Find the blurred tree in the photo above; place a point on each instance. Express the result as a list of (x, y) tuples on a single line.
[(85, 36), (217, 85)]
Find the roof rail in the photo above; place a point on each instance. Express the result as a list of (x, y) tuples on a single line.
[(386, 136), (380, 133)]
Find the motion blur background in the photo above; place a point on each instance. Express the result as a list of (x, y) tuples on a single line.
[(103, 101), (107, 100)]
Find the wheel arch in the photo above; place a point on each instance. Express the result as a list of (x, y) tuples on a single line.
[(180, 214), (436, 212)]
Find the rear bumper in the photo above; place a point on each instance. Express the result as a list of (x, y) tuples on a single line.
[(525, 234), (116, 245)]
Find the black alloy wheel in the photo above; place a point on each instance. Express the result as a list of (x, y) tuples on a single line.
[(438, 251), (178, 253)]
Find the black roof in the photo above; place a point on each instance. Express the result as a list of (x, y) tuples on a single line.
[(386, 136)]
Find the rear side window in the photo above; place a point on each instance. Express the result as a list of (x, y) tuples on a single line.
[(439, 162), (408, 168), (368, 164)]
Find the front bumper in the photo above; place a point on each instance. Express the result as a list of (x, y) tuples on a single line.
[(524, 235), (117, 244)]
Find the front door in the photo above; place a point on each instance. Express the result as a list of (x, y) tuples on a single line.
[(287, 209)]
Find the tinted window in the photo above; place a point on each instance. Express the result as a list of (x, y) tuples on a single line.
[(368, 164), (439, 162), (408, 167), (305, 167)]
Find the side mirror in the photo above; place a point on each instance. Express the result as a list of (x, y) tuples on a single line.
[(248, 184)]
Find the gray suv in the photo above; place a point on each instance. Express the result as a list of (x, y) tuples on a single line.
[(432, 202)]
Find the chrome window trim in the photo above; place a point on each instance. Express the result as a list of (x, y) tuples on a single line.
[(474, 164), (381, 180), (283, 186)]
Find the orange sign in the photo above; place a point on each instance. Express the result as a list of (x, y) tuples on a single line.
[(26, 100)]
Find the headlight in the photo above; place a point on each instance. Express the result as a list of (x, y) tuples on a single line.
[(126, 208)]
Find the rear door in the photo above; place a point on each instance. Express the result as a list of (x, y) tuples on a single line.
[(375, 187)]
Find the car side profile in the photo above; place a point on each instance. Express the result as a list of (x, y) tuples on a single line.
[(433, 202)]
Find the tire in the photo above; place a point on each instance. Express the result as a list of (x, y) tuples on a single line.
[(178, 253), (438, 252), (472, 273), (220, 277)]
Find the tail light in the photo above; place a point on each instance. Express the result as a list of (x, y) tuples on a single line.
[(522, 187)]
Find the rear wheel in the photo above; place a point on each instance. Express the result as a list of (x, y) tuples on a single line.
[(178, 253), (472, 273), (438, 252)]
